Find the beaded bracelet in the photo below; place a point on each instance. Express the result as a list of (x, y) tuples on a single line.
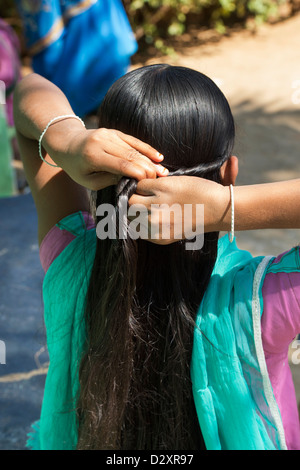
[(47, 127), (231, 236)]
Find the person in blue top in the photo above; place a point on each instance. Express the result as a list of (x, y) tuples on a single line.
[(82, 46), (153, 345)]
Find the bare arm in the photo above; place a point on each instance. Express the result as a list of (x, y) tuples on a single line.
[(269, 205), (90, 159), (261, 206)]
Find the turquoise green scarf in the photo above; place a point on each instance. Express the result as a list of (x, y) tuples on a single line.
[(233, 395), (232, 392)]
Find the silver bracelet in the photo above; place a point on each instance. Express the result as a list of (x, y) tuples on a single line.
[(47, 127), (231, 235)]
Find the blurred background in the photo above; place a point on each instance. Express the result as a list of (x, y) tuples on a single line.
[(250, 48)]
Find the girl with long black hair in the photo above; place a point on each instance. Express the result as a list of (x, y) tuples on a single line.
[(152, 345)]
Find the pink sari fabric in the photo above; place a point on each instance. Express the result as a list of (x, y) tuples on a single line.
[(280, 326), (9, 65)]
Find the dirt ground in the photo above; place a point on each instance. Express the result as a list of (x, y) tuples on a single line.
[(260, 76)]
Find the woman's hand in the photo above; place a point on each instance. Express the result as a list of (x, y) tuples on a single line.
[(98, 158), (256, 207), (171, 203), (93, 158), (90, 159)]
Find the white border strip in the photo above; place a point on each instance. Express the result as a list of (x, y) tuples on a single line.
[(256, 317)]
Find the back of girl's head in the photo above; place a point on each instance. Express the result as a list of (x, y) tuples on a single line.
[(143, 297), (179, 111)]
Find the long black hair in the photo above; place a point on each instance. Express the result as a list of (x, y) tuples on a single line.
[(143, 298)]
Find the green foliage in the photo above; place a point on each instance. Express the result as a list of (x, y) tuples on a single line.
[(7, 9), (156, 20)]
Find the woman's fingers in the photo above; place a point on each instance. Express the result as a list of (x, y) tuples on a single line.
[(144, 194), (128, 148), (132, 168), (130, 155), (101, 179), (112, 151), (148, 187), (141, 147), (153, 187)]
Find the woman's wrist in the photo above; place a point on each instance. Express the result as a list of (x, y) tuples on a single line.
[(217, 203), (264, 206), (260, 206), (60, 138)]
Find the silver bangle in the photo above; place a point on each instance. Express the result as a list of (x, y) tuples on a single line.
[(47, 127), (231, 235)]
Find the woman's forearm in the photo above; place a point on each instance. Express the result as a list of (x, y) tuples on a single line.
[(36, 102), (93, 158), (263, 206)]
